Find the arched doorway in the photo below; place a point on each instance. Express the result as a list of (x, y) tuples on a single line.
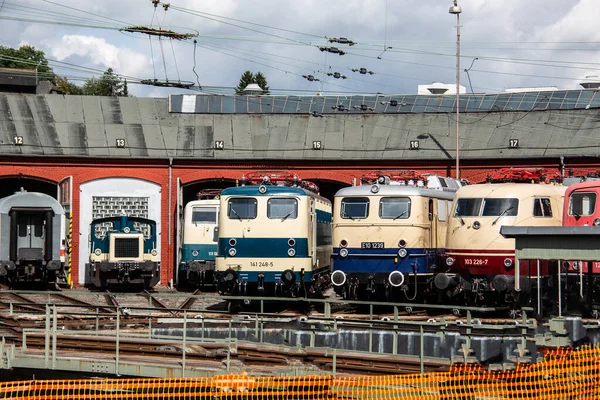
[(11, 184)]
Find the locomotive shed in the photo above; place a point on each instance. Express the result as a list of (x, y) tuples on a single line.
[(99, 156), (150, 156)]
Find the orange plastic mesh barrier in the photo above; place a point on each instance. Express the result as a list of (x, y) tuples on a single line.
[(564, 374)]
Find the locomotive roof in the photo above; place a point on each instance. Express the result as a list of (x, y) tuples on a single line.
[(30, 200), (205, 202), (388, 190), (517, 190), (583, 185), (252, 190)]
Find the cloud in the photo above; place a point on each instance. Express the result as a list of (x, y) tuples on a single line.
[(100, 53)]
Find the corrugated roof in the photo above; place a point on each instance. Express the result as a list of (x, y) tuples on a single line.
[(131, 127)]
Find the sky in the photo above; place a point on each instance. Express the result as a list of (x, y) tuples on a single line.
[(504, 44)]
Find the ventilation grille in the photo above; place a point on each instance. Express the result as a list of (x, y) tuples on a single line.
[(127, 247)]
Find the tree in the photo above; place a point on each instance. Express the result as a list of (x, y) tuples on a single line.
[(26, 57), (67, 87), (261, 81), (109, 84), (248, 77)]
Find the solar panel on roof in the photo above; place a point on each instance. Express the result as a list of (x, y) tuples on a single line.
[(521, 101)]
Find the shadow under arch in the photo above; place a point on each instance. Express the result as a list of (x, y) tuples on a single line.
[(191, 189), (11, 184), (328, 188)]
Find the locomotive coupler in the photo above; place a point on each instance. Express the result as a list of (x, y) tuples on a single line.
[(371, 286), (261, 282)]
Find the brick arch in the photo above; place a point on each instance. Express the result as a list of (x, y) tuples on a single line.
[(32, 177)]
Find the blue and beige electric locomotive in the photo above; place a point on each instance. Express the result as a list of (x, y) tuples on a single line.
[(274, 238), (387, 233), (32, 239), (123, 252), (200, 236)]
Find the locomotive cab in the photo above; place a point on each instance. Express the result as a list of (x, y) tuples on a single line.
[(200, 238), (274, 238), (32, 239), (480, 262), (388, 233), (123, 251)]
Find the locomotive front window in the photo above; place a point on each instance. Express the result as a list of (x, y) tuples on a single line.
[(500, 207), (282, 209), (394, 208), (204, 215), (582, 204), (542, 207), (355, 207), (241, 208), (468, 207)]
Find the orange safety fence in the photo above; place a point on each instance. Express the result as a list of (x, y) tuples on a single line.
[(563, 374)]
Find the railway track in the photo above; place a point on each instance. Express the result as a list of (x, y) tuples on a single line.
[(248, 353)]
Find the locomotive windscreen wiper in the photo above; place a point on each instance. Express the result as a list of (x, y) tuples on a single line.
[(400, 215), (501, 214), (236, 214), (288, 214)]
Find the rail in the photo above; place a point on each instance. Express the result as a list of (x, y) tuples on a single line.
[(57, 333)]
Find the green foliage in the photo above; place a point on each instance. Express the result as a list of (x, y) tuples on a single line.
[(248, 77), (109, 84), (26, 57), (261, 80), (67, 87)]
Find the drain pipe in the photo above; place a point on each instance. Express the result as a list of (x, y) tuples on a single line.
[(170, 195), (170, 213)]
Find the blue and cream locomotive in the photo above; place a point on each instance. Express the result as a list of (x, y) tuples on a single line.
[(200, 236), (387, 233), (274, 238), (123, 251), (32, 239)]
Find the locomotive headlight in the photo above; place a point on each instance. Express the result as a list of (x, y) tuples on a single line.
[(508, 263), (343, 243), (343, 253), (232, 242), (97, 252), (402, 253), (476, 225), (291, 252), (597, 222), (154, 252), (402, 243), (262, 189), (195, 253), (291, 242), (126, 229), (450, 261), (374, 189), (232, 252)]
